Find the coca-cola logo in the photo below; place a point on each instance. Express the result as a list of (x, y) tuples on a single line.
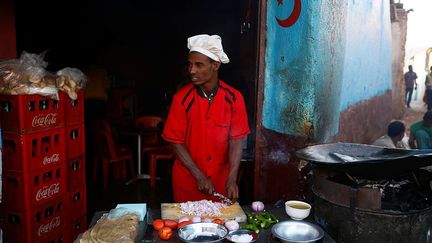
[(45, 228), (42, 120), (48, 191), (51, 159)]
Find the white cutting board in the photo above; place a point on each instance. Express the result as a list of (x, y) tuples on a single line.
[(233, 212)]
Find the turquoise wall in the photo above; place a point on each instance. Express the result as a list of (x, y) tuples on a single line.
[(367, 65), (337, 54), (288, 92)]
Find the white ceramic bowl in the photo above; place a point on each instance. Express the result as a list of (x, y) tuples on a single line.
[(297, 210)]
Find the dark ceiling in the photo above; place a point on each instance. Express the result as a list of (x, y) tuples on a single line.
[(142, 41)]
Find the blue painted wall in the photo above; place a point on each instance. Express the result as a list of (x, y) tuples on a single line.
[(338, 53), (367, 65)]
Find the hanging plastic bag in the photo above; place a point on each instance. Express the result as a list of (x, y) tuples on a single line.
[(71, 80)]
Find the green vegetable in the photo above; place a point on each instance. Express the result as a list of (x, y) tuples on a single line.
[(258, 221), (251, 227)]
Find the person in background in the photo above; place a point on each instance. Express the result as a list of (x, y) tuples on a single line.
[(421, 133), (428, 92), (410, 84), (394, 136), (206, 123)]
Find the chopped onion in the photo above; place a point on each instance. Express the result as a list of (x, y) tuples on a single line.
[(196, 219), (232, 225), (257, 206), (207, 220), (183, 218)]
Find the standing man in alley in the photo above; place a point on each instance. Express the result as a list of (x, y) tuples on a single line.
[(410, 81), (206, 123)]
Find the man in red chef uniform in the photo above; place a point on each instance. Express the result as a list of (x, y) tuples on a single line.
[(205, 126)]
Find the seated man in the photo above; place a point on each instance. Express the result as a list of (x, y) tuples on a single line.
[(421, 133), (394, 136)]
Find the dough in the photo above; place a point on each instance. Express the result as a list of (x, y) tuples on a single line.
[(122, 229)]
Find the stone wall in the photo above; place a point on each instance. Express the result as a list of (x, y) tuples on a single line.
[(399, 33)]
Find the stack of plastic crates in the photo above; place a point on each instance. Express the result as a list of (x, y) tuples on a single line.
[(75, 162), (43, 179)]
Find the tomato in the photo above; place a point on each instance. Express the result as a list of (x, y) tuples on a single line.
[(165, 233), (170, 223), (218, 221), (183, 223), (158, 224)]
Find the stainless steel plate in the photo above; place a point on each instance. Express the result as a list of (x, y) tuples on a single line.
[(297, 231), (202, 232)]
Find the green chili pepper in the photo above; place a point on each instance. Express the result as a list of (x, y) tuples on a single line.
[(251, 227)]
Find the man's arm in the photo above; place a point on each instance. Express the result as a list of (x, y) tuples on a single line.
[(235, 155), (203, 182)]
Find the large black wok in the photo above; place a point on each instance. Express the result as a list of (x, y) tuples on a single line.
[(367, 161)]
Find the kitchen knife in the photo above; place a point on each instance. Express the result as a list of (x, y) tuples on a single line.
[(223, 198)]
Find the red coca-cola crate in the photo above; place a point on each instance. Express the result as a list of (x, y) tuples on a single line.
[(60, 236), (29, 190), (24, 114), (78, 226), (75, 141), (78, 202), (74, 108), (33, 152), (39, 224), (76, 172)]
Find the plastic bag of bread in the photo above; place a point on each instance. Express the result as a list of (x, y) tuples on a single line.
[(24, 75), (71, 80), (119, 225)]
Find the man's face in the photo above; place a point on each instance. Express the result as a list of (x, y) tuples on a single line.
[(201, 69)]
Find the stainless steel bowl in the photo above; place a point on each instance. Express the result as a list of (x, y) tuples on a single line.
[(293, 231), (241, 232), (202, 232)]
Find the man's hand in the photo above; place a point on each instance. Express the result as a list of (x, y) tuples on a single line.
[(205, 185), (232, 190)]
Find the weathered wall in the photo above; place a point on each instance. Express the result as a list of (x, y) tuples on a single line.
[(365, 121), (367, 78), (399, 33), (304, 68), (322, 65), (336, 56), (367, 62)]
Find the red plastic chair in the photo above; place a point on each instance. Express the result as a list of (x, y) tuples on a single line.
[(153, 145), (109, 153), (163, 153)]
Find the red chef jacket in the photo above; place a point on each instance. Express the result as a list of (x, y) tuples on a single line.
[(205, 126)]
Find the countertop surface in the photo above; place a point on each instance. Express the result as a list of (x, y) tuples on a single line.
[(146, 234)]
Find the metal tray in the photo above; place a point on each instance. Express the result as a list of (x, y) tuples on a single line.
[(365, 160)]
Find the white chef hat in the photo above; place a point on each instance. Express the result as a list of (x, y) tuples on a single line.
[(210, 46)]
